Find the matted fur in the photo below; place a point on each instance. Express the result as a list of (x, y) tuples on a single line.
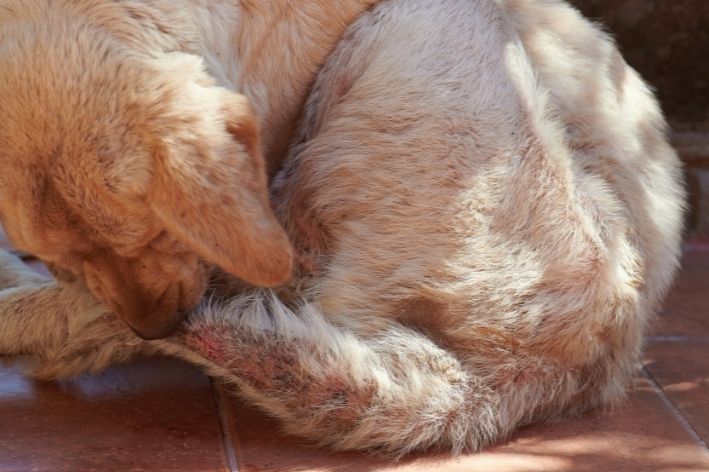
[(485, 209)]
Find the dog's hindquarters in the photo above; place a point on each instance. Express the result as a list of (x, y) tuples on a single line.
[(393, 392), (446, 180)]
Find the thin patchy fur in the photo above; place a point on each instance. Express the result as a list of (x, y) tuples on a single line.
[(486, 213)]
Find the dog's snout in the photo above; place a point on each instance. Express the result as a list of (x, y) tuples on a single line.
[(153, 317), (149, 298)]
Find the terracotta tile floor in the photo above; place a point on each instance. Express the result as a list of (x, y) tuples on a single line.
[(162, 415)]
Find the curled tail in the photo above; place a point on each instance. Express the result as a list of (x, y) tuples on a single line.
[(394, 391)]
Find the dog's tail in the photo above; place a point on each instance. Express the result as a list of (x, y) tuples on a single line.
[(393, 391)]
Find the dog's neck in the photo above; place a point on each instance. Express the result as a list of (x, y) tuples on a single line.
[(271, 51)]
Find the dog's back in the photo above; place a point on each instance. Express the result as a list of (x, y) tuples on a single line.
[(496, 176)]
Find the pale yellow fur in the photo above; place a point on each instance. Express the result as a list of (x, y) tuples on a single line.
[(483, 205)]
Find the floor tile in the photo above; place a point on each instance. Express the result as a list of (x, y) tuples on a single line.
[(154, 415), (686, 310), (642, 436), (682, 370)]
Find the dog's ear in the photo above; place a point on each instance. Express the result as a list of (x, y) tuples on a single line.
[(209, 187)]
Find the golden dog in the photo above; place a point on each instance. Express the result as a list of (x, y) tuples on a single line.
[(483, 207)]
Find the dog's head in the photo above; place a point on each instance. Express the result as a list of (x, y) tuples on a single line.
[(130, 172)]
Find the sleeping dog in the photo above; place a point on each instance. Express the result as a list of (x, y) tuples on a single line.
[(426, 222)]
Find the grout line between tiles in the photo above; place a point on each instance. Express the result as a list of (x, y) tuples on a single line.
[(674, 410), (224, 429)]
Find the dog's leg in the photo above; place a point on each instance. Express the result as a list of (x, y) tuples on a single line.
[(21, 326), (63, 326), (65, 329), (394, 391)]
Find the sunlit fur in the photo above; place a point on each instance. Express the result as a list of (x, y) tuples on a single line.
[(114, 142), (486, 215)]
